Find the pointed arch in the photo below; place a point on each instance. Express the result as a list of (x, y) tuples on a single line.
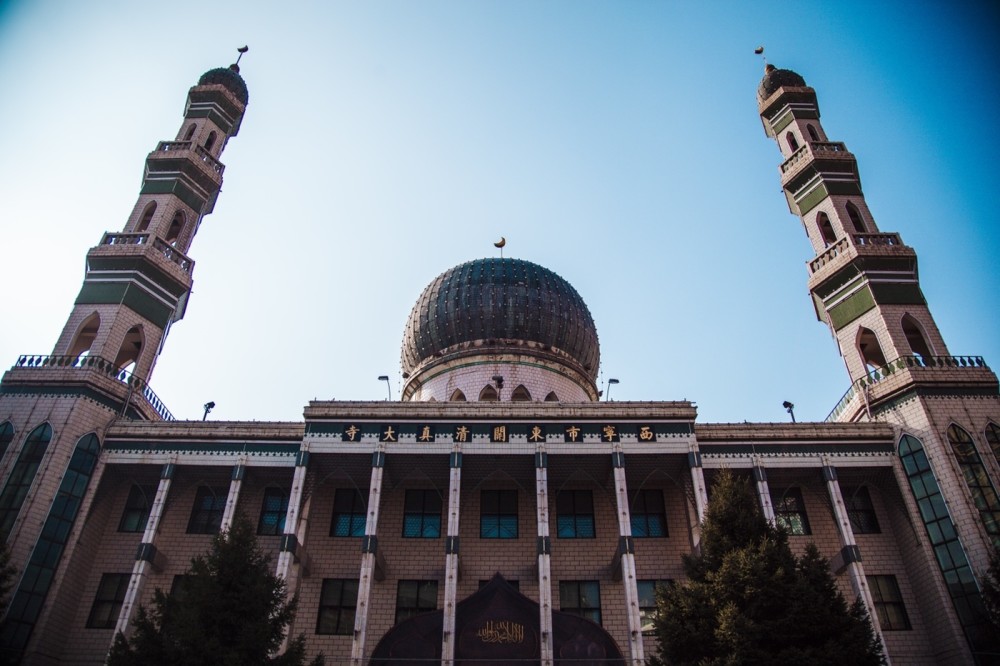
[(793, 143), (869, 349), (6, 436), (175, 229), (915, 337), (85, 336), (552, 397), (22, 476), (520, 394), (210, 141), (813, 134), (190, 132), (488, 394), (131, 348), (825, 229), (984, 495), (147, 217), (457, 396), (856, 219), (993, 439)]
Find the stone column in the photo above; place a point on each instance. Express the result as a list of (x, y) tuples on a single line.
[(146, 553), (451, 558), (626, 550), (369, 549), (700, 494), (544, 556), (290, 540), (850, 555), (234, 496), (763, 491)]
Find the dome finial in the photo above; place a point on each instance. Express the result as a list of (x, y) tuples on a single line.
[(236, 65), (760, 51), (500, 243)]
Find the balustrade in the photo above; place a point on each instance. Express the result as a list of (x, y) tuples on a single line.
[(828, 255), (124, 239), (810, 148), (877, 239), (173, 254), (167, 146)]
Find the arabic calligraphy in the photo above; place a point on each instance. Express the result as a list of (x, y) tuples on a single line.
[(501, 631)]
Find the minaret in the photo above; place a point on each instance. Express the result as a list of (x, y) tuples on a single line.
[(865, 286), (55, 409)]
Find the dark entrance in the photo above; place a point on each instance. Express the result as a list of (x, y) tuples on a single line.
[(493, 627)]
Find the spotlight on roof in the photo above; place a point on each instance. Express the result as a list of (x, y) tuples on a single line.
[(209, 406), (790, 408), (385, 378), (498, 380), (611, 382)]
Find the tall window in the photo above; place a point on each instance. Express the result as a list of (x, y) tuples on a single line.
[(978, 481), (581, 597), (273, 512), (888, 603), (422, 514), (915, 337), (870, 349), (6, 436), (350, 511), (649, 519), (26, 604), (790, 512), (793, 144), (575, 514), (108, 601), (85, 336), (647, 602), (498, 514), (206, 515), (993, 438), (137, 507), (338, 602), (21, 477), (825, 229), (175, 228), (860, 510), (855, 215), (813, 134), (210, 142), (147, 217), (414, 597)]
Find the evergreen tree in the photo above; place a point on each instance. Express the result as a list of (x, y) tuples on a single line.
[(230, 611), (749, 600)]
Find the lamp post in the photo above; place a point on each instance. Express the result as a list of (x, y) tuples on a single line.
[(209, 406), (790, 408), (611, 382), (385, 378)]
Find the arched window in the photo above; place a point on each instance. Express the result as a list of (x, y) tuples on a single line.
[(813, 134), (915, 337), (870, 349), (793, 145), (825, 229), (488, 394), (22, 476), (520, 394), (176, 226), (85, 336), (210, 141), (6, 436), (147, 217), (190, 132), (552, 397), (131, 348), (855, 215), (993, 438), (457, 396), (26, 604), (984, 495)]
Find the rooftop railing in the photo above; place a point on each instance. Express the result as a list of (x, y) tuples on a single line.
[(903, 362), (200, 151), (102, 366), (164, 248), (809, 148)]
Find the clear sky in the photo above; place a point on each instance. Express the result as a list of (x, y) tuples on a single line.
[(616, 143)]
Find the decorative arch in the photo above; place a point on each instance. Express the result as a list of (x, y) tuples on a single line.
[(147, 217), (813, 134), (552, 397), (977, 479), (993, 439), (856, 219), (488, 394), (210, 141), (520, 394), (175, 228), (22, 476), (85, 336), (826, 232), (457, 396), (6, 436), (915, 337), (131, 349), (793, 143), (190, 132), (869, 349)]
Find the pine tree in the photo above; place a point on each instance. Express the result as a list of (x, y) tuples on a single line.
[(749, 600), (231, 610)]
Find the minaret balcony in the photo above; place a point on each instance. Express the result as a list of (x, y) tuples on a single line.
[(152, 248), (91, 377), (190, 147), (815, 157), (964, 375), (847, 250)]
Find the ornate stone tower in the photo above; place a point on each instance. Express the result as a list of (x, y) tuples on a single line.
[(864, 284), (54, 409)]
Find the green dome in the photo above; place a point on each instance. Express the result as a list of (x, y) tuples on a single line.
[(228, 77), (497, 301)]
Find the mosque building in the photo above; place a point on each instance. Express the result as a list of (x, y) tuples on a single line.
[(499, 510)]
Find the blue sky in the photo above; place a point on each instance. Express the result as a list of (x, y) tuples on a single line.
[(617, 144)]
